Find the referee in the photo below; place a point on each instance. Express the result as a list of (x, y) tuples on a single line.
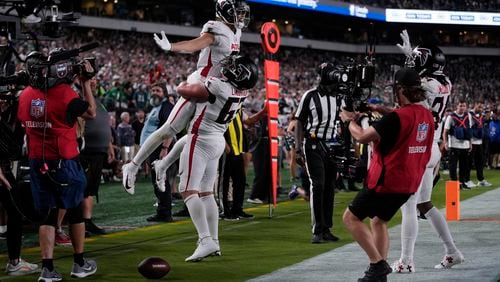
[(314, 134)]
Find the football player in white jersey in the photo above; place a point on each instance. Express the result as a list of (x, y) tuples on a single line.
[(218, 39), (205, 144), (429, 61)]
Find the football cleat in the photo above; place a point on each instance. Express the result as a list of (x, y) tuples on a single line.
[(206, 247), (129, 173), (450, 260), (400, 267), (161, 175)]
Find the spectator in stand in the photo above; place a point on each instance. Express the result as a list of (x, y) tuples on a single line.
[(141, 97), (126, 138)]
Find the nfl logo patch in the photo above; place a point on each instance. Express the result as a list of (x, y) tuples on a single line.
[(37, 108), (422, 130)]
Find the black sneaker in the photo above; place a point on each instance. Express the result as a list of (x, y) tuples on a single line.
[(182, 213), (317, 239), (244, 215), (377, 272), (159, 218), (3, 235), (92, 228), (328, 236)]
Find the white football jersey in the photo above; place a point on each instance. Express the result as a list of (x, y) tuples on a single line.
[(226, 42), (213, 117), (438, 91)]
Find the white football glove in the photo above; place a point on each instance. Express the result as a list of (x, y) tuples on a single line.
[(163, 42), (406, 47)]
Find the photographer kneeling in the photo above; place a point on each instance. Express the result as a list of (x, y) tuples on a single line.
[(48, 109), (402, 142), (314, 134)]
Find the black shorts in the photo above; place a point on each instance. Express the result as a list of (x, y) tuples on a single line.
[(369, 203), (92, 165)]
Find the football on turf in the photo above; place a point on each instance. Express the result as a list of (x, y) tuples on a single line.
[(153, 267)]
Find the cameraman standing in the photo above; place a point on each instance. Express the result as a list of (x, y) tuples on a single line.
[(402, 148), (48, 109), (314, 133)]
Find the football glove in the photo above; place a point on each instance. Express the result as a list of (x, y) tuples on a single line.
[(163, 42)]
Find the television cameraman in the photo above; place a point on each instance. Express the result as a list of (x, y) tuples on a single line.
[(314, 133), (48, 109), (402, 147)]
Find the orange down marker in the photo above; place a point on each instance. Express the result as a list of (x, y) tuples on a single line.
[(452, 200)]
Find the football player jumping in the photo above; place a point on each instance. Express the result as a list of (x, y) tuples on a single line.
[(218, 39)]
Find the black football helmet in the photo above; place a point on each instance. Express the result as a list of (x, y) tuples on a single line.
[(240, 71), (233, 12), (427, 59)]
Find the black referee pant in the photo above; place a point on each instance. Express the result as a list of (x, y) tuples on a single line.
[(322, 174), (234, 168)]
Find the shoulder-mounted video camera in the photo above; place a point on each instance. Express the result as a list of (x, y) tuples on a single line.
[(61, 66)]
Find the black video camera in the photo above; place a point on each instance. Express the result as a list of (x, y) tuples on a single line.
[(349, 77)]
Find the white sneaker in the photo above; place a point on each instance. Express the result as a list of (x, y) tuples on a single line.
[(205, 248), (255, 201), (161, 175), (470, 184), (400, 267), (451, 260), (484, 183), (129, 173), (21, 268)]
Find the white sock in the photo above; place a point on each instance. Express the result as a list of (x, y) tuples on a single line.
[(212, 211), (437, 221), (3, 228), (409, 229), (198, 215)]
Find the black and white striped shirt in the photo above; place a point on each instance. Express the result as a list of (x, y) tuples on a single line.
[(318, 113)]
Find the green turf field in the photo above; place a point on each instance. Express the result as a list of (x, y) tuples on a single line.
[(249, 247)]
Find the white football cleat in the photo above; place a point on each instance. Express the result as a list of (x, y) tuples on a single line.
[(129, 173), (161, 175), (400, 267), (450, 260), (205, 248)]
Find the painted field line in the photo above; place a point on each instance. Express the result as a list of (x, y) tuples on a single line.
[(241, 225), (289, 215)]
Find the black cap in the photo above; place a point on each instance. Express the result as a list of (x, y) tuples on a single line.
[(407, 77)]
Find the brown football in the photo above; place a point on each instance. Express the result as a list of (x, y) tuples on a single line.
[(153, 267)]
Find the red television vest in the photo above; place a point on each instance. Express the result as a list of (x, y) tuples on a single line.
[(60, 138), (401, 170)]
